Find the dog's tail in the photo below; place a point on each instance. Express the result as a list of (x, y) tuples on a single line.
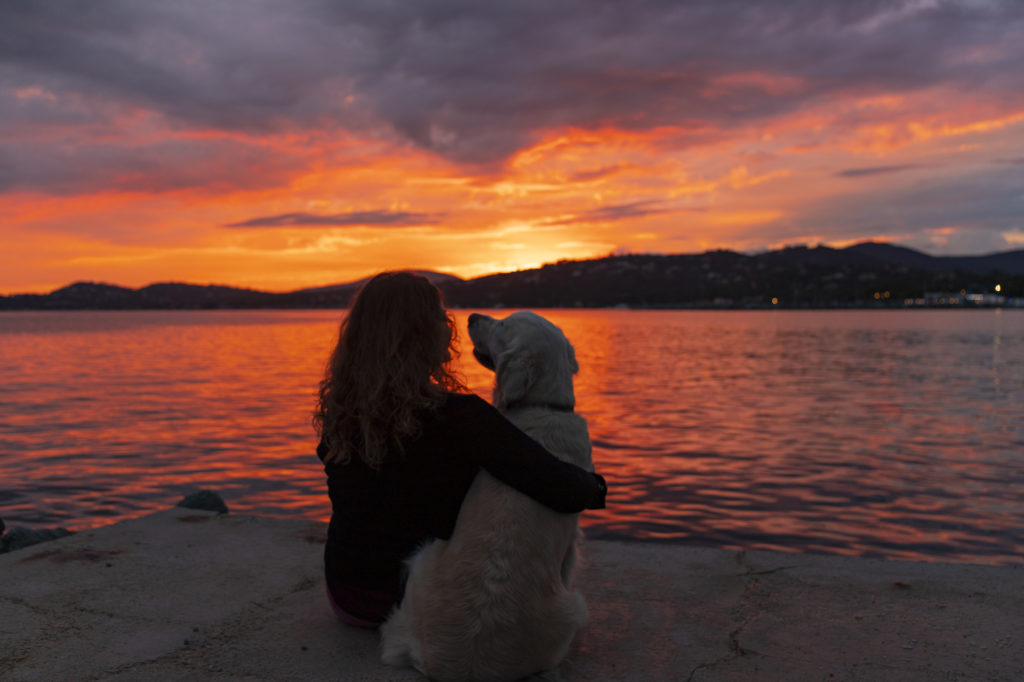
[(396, 640), (399, 644)]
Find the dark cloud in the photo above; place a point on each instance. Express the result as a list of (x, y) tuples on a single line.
[(225, 65), (69, 166), (597, 173), (979, 205), (475, 82), (878, 170), (352, 219), (606, 214)]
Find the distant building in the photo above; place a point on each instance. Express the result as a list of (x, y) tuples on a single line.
[(986, 299), (932, 299)]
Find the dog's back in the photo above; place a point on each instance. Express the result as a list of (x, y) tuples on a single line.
[(495, 601)]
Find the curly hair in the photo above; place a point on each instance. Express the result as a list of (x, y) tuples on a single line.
[(391, 363)]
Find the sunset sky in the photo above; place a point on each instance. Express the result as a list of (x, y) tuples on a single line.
[(281, 144)]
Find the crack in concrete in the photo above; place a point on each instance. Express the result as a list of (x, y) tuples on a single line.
[(302, 585), (192, 653), (769, 571), (183, 654), (749, 608), (18, 601), (55, 612), (172, 655)]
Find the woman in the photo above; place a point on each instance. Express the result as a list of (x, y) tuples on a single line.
[(401, 440)]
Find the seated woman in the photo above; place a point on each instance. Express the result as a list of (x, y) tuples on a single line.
[(402, 439)]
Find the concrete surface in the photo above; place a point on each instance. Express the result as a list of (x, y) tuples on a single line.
[(185, 594)]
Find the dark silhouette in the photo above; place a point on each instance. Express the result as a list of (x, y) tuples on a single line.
[(864, 275)]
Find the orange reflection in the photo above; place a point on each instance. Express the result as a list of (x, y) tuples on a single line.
[(840, 432)]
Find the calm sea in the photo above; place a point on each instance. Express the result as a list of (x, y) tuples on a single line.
[(879, 433)]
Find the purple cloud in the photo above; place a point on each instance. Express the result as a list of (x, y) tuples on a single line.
[(636, 209), (971, 211), (164, 165), (878, 170), (475, 82), (597, 173), (353, 219)]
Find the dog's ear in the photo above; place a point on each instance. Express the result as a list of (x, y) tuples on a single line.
[(571, 353), (515, 375)]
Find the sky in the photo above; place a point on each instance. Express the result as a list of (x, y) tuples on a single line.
[(282, 144)]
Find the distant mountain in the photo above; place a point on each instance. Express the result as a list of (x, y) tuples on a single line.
[(884, 253), (438, 278), (1009, 262), (168, 295), (794, 277), (874, 254), (869, 273), (181, 296)]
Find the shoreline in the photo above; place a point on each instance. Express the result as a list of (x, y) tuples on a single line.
[(42, 533), (183, 593), (858, 306), (15, 537)]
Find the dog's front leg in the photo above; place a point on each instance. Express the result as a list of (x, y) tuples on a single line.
[(569, 560)]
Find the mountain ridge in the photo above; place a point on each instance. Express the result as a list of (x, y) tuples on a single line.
[(867, 273)]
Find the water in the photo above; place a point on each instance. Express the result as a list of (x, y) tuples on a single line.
[(876, 433)]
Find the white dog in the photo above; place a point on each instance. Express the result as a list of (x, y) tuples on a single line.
[(495, 602)]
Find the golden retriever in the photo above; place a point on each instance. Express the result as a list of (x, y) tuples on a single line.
[(495, 602)]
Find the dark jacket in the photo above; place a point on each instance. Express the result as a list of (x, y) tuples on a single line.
[(379, 517)]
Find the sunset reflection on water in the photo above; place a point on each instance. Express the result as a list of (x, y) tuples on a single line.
[(889, 433)]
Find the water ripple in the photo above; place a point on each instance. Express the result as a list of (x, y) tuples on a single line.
[(871, 433)]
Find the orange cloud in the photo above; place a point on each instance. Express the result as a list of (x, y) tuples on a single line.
[(904, 129), (148, 199)]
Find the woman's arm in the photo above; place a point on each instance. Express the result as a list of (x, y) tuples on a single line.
[(514, 458)]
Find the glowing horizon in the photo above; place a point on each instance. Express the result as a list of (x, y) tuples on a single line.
[(288, 146)]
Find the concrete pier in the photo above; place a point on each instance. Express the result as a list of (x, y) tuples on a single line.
[(184, 595)]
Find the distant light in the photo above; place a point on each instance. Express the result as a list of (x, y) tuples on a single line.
[(877, 295), (999, 287), (775, 301)]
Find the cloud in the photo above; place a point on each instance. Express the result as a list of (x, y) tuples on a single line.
[(210, 165), (878, 170), (965, 213), (613, 213), (230, 65), (473, 82), (959, 241), (476, 82), (593, 174), (352, 219), (160, 123)]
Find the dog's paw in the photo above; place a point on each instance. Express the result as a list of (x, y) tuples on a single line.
[(396, 645)]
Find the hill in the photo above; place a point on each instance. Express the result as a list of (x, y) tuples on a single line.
[(794, 276), (869, 273)]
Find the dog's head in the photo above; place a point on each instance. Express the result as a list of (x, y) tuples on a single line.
[(532, 360)]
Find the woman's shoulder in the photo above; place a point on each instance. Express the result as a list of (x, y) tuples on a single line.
[(462, 406)]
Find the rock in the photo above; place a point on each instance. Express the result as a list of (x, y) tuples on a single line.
[(206, 500), (20, 537)]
